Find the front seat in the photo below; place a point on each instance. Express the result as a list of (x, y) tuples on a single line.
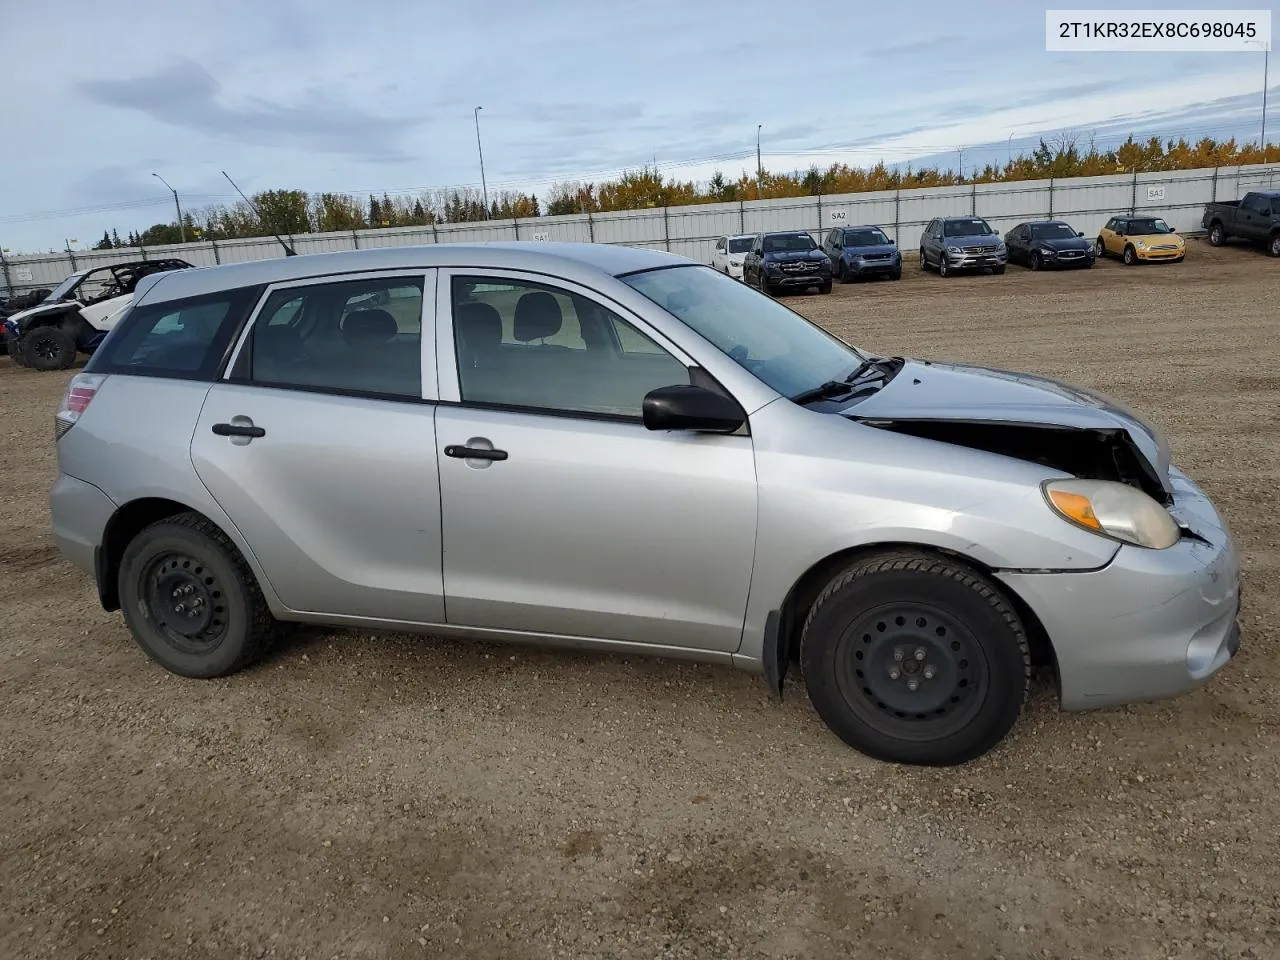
[(479, 327)]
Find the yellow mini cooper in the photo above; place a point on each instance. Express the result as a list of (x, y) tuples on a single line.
[(1140, 238)]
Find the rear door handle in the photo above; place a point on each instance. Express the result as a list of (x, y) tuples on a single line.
[(474, 453), (238, 430)]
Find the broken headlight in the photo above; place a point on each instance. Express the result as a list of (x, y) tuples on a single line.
[(1114, 510)]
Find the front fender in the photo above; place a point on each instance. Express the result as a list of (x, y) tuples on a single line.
[(828, 485)]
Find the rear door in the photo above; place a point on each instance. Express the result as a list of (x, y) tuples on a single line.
[(319, 443), (562, 514)]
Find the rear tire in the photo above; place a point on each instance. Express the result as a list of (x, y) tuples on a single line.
[(861, 652), (191, 601), (48, 348), (1217, 236)]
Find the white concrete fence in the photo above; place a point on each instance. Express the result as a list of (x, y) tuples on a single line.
[(1085, 202)]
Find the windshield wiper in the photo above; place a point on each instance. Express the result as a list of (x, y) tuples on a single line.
[(884, 367)]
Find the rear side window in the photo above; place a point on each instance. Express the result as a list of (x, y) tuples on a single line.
[(349, 336), (186, 339)]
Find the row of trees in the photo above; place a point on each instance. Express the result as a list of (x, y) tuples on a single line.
[(289, 212)]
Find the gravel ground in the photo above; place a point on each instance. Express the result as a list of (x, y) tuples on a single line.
[(392, 796)]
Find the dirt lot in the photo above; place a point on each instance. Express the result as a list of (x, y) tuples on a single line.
[(400, 797)]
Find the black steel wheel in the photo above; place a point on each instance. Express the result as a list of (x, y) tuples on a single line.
[(191, 601), (914, 658), (48, 348)]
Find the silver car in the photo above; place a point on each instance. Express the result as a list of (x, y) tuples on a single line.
[(619, 449)]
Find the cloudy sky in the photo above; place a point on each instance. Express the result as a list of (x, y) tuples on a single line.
[(378, 95)]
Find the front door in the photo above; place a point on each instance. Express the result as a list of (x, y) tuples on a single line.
[(562, 514), (320, 446)]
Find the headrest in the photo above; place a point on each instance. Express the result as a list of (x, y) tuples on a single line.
[(368, 326), (479, 324), (537, 315)]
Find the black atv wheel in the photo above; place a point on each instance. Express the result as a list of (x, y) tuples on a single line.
[(48, 348), (915, 658)]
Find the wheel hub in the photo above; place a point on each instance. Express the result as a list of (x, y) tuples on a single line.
[(186, 602), (912, 664)]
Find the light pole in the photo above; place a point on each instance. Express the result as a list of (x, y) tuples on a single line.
[(182, 228), (484, 189), (1266, 56), (759, 165)]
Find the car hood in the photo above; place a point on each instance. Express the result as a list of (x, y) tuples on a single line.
[(785, 256), (1064, 243), (977, 240), (924, 397), (1154, 239), (877, 248)]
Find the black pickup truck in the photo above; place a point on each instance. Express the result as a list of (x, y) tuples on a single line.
[(1255, 217)]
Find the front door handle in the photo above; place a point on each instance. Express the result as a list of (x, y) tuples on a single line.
[(238, 430), (474, 453)]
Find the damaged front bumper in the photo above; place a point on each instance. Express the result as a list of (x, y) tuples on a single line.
[(1152, 624)]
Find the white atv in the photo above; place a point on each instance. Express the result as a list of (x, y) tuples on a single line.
[(77, 314)]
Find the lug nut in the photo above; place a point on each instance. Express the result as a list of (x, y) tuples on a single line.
[(179, 608), (928, 672), (178, 592), (912, 684), (894, 674), (920, 653), (897, 654)]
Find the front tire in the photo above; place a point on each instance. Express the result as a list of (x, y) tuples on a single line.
[(996, 271), (191, 601), (896, 275), (1217, 236), (48, 348), (913, 658), (1036, 263), (763, 284), (1101, 249), (844, 272), (943, 270), (825, 288), (924, 261), (1273, 246), (1130, 256)]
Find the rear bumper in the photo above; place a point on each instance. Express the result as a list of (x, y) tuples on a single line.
[(80, 513), (1150, 625)]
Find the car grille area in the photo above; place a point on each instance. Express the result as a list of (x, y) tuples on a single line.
[(804, 266)]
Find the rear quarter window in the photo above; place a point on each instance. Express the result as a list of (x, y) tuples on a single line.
[(185, 339)]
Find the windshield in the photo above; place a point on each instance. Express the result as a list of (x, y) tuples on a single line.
[(872, 237), (740, 244), (1152, 225), (788, 241), (65, 287), (1053, 231), (965, 228), (777, 345)]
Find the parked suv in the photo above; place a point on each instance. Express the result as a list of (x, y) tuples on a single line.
[(619, 449), (952, 244), (786, 261), (860, 252), (77, 313)]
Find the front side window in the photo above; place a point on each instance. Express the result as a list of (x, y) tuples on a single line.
[(538, 347), (740, 244), (356, 336), (777, 345), (1148, 226)]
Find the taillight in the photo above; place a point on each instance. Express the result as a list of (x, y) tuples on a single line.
[(80, 393)]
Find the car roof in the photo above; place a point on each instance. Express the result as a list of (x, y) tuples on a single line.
[(581, 262)]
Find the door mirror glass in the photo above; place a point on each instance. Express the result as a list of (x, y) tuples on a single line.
[(687, 407)]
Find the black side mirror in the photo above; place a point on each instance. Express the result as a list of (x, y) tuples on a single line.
[(1079, 233), (893, 243), (685, 407)]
